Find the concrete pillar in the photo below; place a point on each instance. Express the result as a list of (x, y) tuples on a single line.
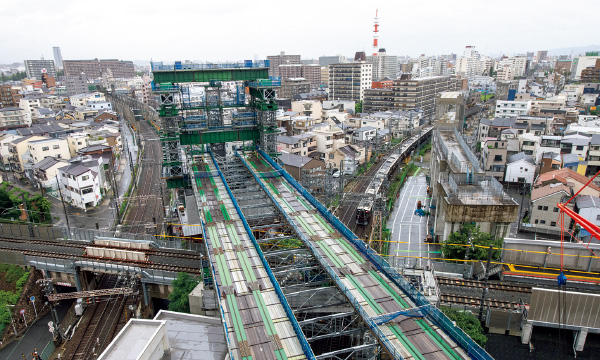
[(78, 279), (526, 334), (145, 291), (580, 337)]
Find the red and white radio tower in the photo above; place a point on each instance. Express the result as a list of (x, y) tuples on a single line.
[(375, 31)]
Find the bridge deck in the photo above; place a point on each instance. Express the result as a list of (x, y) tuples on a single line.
[(374, 295), (257, 325)]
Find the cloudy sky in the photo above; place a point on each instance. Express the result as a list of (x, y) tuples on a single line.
[(214, 30)]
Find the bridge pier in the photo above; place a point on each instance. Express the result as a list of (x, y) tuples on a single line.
[(78, 279), (146, 296), (526, 334), (580, 336)]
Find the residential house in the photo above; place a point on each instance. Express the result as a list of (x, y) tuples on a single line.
[(13, 117), (329, 137), (547, 144), (311, 108), (569, 178), (575, 144), (528, 143), (574, 162), (17, 149), (81, 100), (512, 109), (550, 162), (365, 133), (593, 158), (5, 139), (520, 168), (294, 164), (543, 215), (80, 186), (39, 149), (494, 155), (589, 208), (300, 145), (45, 172)]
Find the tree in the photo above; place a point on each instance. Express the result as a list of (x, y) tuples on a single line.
[(182, 287), (480, 241), (358, 107), (468, 322)]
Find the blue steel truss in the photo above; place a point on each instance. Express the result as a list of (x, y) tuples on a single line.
[(420, 311), (288, 310), (435, 315)]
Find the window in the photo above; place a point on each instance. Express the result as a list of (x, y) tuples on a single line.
[(85, 177), (579, 147), (331, 156), (497, 157), (556, 210), (536, 221), (540, 207), (542, 221), (553, 223), (545, 208), (56, 147), (45, 148)]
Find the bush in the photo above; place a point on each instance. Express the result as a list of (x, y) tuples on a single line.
[(182, 287), (468, 323)]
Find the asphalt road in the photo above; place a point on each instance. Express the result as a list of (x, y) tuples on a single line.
[(37, 337), (409, 230)]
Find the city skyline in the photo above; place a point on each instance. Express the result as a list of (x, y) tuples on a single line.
[(210, 32)]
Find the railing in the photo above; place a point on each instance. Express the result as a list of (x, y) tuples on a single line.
[(265, 83), (288, 310), (178, 65), (48, 350), (441, 320)]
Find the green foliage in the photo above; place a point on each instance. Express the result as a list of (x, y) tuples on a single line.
[(468, 323), (480, 240), (425, 148), (358, 107), (182, 287), (12, 275), (14, 77), (38, 206)]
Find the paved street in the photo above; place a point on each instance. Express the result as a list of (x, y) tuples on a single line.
[(409, 230)]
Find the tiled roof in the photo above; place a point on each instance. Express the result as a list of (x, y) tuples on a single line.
[(549, 189), (561, 175)]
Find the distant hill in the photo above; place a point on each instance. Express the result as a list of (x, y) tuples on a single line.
[(577, 50)]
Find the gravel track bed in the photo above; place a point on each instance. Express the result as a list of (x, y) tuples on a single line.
[(176, 261), (492, 294), (22, 246)]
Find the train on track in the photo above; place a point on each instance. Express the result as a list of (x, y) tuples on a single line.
[(364, 210)]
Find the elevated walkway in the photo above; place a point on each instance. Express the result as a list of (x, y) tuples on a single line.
[(374, 289), (258, 322)]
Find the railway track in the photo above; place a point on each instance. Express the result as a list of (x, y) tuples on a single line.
[(447, 299), (478, 284), (100, 325), (145, 207)]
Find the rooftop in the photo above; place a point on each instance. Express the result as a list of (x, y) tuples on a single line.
[(456, 151), (294, 160), (550, 189), (587, 201), (562, 175), (520, 156)]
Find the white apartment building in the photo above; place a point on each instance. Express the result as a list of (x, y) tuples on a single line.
[(520, 168), (13, 117), (81, 100), (519, 64), (329, 138), (505, 73), (5, 140), (99, 105), (312, 108), (582, 62), (505, 108), (348, 81)]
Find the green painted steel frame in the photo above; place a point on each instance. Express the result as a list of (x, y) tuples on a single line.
[(199, 137), (206, 75)]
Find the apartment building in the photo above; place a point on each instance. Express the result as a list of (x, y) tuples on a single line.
[(293, 86), (81, 100), (80, 186), (13, 117), (325, 61), (421, 93), (288, 71), (384, 66), (282, 59), (9, 96), (378, 100), (494, 155), (312, 74), (591, 74), (348, 81), (95, 68), (512, 109), (35, 68), (76, 84)]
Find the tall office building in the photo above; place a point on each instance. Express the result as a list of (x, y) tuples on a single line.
[(35, 68), (328, 60), (58, 60), (76, 84), (281, 59)]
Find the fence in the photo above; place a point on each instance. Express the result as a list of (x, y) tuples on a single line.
[(48, 350), (438, 318)]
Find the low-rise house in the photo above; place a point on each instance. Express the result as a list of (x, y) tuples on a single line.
[(494, 155), (300, 145), (543, 216), (80, 186), (520, 168), (589, 208), (593, 158), (45, 172), (574, 162), (550, 162), (13, 117), (294, 164), (569, 178), (575, 144), (365, 133)]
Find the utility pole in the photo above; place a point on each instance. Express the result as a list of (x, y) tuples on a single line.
[(62, 200), (485, 284), (29, 226), (465, 273)]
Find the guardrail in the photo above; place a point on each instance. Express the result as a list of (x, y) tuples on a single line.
[(178, 65), (438, 318), (286, 307)]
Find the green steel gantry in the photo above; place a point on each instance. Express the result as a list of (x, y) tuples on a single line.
[(186, 120)]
